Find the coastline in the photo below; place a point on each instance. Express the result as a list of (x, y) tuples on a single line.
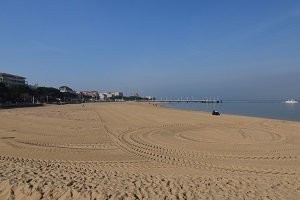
[(237, 114), (138, 151)]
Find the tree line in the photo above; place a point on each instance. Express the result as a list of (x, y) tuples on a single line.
[(27, 94)]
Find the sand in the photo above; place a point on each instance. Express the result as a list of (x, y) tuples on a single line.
[(139, 151)]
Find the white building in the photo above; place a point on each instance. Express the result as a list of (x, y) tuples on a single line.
[(109, 95), (150, 98), (10, 79), (103, 96), (117, 94), (134, 94), (67, 89)]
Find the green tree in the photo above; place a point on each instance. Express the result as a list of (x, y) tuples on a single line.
[(4, 93), (47, 94), (21, 93)]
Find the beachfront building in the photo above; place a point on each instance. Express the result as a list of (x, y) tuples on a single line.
[(66, 89), (103, 96), (117, 94), (11, 80), (149, 98), (134, 94), (111, 95), (93, 94)]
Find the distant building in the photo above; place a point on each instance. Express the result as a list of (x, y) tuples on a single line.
[(93, 94), (117, 94), (150, 98), (134, 94), (10, 79), (110, 95), (66, 89), (103, 96)]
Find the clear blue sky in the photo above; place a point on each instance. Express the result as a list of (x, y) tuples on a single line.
[(242, 49)]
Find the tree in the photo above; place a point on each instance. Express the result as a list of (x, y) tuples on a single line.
[(47, 94), (4, 93), (21, 93)]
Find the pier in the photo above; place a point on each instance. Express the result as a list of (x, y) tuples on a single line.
[(187, 101)]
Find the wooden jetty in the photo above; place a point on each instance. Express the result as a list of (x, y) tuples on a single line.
[(187, 101)]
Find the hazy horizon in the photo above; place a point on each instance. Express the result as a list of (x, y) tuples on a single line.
[(166, 49)]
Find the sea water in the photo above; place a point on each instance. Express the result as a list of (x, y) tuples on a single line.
[(265, 109)]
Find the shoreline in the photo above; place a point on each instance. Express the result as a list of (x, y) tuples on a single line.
[(233, 114)]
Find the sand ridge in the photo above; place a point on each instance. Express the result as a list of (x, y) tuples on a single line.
[(138, 151)]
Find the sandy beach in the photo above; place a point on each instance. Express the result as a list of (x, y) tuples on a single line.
[(140, 151)]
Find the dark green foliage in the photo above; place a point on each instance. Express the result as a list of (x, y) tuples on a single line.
[(24, 94), (47, 91), (68, 95), (133, 98), (117, 97), (47, 94), (19, 91), (4, 93)]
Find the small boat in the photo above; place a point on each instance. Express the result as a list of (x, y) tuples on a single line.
[(291, 101)]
